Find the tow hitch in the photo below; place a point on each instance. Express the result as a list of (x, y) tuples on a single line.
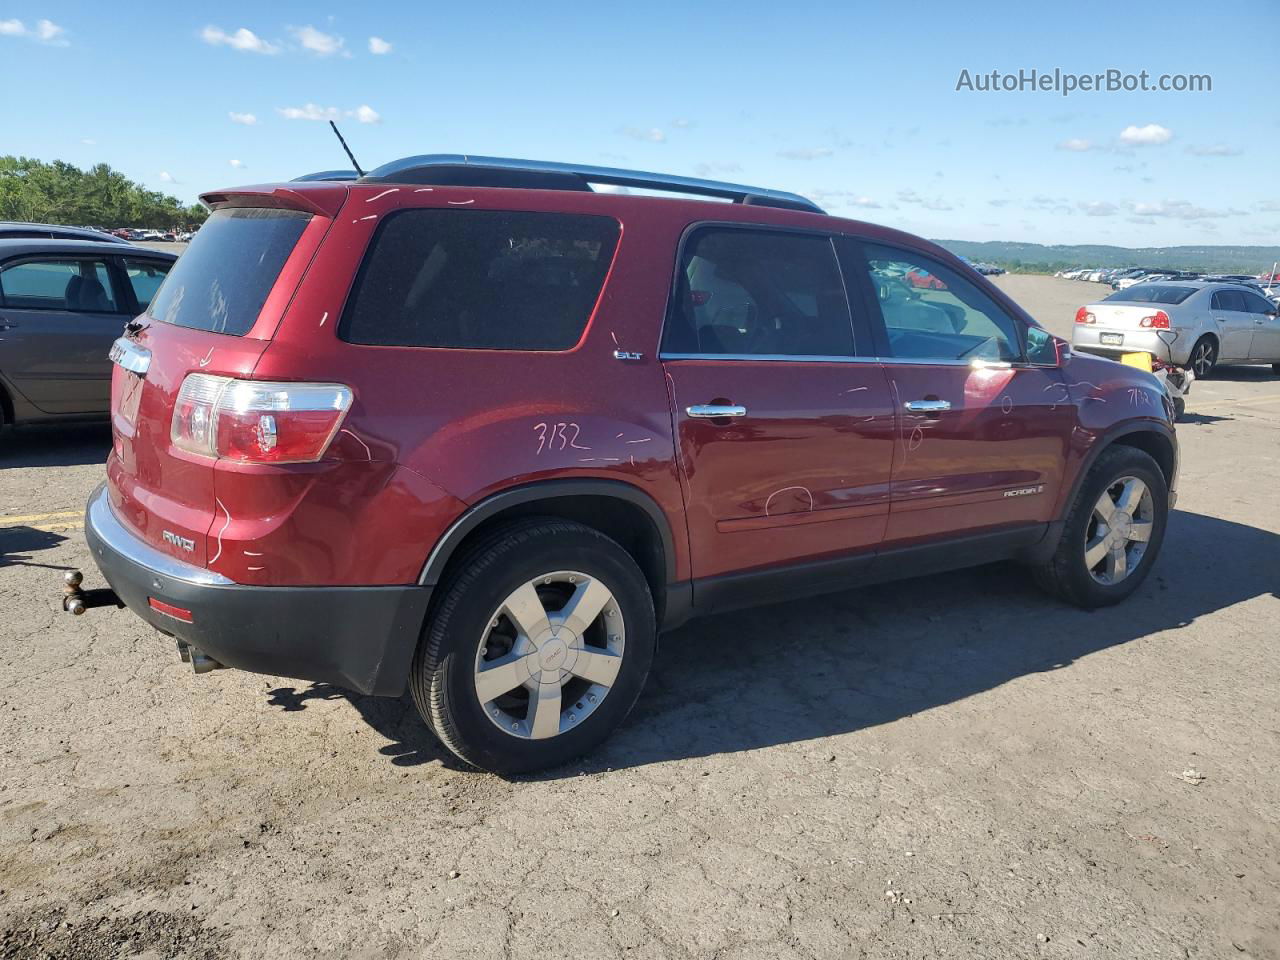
[(76, 601)]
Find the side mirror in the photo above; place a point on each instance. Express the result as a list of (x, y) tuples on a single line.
[(1046, 350)]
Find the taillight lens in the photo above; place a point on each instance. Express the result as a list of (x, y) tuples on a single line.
[(1084, 316), (254, 421), (1157, 321)]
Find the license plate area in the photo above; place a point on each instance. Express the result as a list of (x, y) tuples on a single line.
[(1111, 339)]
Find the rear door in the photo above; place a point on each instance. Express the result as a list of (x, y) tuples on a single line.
[(59, 315), (1234, 324), (1265, 345), (784, 423), (214, 314), (982, 434)]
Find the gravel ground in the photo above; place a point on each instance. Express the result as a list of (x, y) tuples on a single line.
[(953, 767)]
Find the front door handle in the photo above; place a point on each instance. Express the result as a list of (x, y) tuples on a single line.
[(927, 406), (714, 411)]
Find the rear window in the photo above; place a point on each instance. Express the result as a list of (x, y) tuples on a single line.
[(223, 279), (480, 279), (1152, 293)]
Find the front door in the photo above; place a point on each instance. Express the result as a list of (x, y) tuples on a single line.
[(784, 428), (1265, 346), (60, 316), (1234, 324), (981, 439)]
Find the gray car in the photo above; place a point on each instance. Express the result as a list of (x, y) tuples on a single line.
[(62, 304), (17, 230), (1186, 322)]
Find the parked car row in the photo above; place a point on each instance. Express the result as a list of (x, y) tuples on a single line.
[(1121, 278), (17, 230)]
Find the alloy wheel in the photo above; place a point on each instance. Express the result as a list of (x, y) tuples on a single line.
[(1119, 530), (1202, 359), (550, 655)]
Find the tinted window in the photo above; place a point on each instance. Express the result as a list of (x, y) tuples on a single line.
[(223, 279), (145, 276), (759, 293), (1229, 300), (1257, 304), (931, 312), (77, 285), (1152, 293), (480, 279)]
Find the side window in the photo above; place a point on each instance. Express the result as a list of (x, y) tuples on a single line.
[(749, 292), (145, 276), (482, 280), (933, 313), (75, 285), (1229, 300), (1257, 304)]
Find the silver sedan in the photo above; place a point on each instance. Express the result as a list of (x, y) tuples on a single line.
[(1186, 322)]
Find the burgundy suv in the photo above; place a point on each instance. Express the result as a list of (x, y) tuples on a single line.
[(468, 425)]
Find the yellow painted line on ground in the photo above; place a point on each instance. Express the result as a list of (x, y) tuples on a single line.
[(40, 517), (47, 527)]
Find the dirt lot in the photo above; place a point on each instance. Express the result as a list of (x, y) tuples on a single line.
[(952, 767)]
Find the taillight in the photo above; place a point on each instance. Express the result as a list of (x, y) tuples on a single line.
[(1157, 321), (1084, 316), (253, 421)]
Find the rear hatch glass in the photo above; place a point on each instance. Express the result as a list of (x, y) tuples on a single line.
[(222, 281)]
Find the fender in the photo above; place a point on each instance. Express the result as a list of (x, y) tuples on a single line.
[(545, 490), (1049, 543)]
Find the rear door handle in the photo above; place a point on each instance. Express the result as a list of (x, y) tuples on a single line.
[(714, 411), (927, 406)]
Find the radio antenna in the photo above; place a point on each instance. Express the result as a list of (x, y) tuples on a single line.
[(338, 134)]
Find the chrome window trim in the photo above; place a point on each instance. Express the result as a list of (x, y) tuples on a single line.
[(808, 358), (101, 519)]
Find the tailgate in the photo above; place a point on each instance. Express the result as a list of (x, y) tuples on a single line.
[(215, 314), (1115, 316)]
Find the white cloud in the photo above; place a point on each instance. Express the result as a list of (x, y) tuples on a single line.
[(910, 196), (45, 31), (238, 164), (843, 198), (378, 46), (167, 177), (706, 169), (243, 39), (1151, 135), (806, 153), (320, 43), (1076, 144), (1143, 220), (313, 111), (1098, 208), (682, 123), (653, 134), (244, 119), (1214, 150), (1267, 206), (89, 141), (310, 111), (1178, 210)]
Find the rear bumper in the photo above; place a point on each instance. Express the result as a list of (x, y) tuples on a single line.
[(362, 638), (1087, 338)]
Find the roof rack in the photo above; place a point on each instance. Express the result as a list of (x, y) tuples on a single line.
[(466, 170)]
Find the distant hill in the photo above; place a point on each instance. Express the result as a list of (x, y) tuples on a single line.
[(1038, 258)]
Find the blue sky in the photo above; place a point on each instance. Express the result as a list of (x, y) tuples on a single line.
[(852, 103)]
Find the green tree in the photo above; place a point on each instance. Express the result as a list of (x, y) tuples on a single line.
[(58, 192)]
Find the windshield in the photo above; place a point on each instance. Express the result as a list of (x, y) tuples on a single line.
[(1151, 293), (222, 281)]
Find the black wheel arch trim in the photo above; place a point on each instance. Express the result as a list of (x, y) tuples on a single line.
[(494, 504), (1046, 547)]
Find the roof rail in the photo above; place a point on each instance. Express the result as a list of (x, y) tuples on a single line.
[(464, 169)]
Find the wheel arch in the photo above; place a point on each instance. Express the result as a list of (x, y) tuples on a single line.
[(618, 509)]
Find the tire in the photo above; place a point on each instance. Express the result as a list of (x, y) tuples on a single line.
[(1203, 357), (1067, 574), (473, 625)]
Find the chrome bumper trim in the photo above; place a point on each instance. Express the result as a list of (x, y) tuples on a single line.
[(100, 520)]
